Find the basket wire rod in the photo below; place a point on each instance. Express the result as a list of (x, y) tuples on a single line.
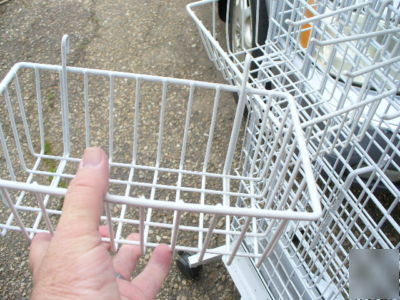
[(175, 230), (86, 104), (137, 222), (6, 154), (239, 241), (54, 183), (337, 202), (39, 108), (382, 7), (233, 139), (349, 108), (260, 136), (23, 115), (40, 201), (256, 246), (22, 193), (360, 36), (151, 185), (274, 148), (17, 139), (271, 180), (109, 226), (189, 207), (111, 119), (185, 140), (213, 223), (213, 17), (207, 157), (8, 202), (373, 67), (64, 94), (252, 164), (207, 47), (142, 230), (159, 152), (228, 14), (273, 6), (135, 138), (358, 114), (238, 116), (218, 251), (176, 219), (208, 36), (336, 136), (257, 22), (280, 181), (289, 187), (319, 16), (279, 231), (289, 32), (275, 239)]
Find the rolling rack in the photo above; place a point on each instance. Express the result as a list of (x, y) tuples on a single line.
[(216, 192), (340, 61)]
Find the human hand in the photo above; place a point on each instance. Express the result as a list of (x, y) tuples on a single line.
[(75, 263)]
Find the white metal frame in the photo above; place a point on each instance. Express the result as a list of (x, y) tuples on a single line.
[(345, 83), (31, 199)]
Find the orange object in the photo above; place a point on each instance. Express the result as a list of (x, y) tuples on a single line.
[(306, 28)]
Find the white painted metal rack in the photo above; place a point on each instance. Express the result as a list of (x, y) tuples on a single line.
[(340, 60), (50, 114)]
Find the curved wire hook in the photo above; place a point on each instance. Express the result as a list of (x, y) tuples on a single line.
[(64, 49)]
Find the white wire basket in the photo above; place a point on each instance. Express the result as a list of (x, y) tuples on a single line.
[(164, 189), (340, 60)]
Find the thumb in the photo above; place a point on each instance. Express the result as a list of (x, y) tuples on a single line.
[(83, 203), (38, 249)]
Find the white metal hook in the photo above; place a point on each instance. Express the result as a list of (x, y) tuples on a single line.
[(65, 47)]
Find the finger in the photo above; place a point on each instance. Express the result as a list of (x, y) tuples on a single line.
[(153, 276), (126, 259), (83, 203), (105, 233), (38, 250)]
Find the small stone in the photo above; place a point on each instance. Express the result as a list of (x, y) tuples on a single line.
[(158, 238)]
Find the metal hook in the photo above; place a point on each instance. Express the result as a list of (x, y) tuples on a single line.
[(64, 49)]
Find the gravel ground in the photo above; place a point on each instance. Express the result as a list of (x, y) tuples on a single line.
[(151, 37)]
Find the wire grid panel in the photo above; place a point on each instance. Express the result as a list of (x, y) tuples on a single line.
[(162, 188), (360, 190), (340, 61)]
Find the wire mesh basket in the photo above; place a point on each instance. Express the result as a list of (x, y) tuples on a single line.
[(162, 188), (340, 60)]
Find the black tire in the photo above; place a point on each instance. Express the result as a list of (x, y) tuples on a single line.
[(183, 265), (222, 7), (261, 7), (262, 23)]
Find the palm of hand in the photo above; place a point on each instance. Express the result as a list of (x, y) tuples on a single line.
[(75, 263)]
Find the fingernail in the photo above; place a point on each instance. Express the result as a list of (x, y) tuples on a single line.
[(91, 158)]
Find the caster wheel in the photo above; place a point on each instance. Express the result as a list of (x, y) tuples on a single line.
[(183, 265)]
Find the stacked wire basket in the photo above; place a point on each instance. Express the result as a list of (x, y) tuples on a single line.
[(163, 190), (340, 61)]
